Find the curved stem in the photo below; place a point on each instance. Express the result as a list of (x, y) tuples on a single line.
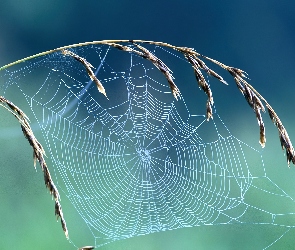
[(106, 42)]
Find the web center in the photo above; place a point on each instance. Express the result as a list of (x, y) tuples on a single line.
[(144, 155)]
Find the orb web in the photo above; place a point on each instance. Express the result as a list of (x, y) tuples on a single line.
[(139, 162)]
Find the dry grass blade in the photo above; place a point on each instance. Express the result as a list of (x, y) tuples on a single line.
[(209, 71), (161, 66), (202, 82), (14, 108), (209, 112), (283, 135), (252, 98), (38, 154), (121, 47), (262, 139), (88, 67)]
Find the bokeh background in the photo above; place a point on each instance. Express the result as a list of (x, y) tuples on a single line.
[(257, 36)]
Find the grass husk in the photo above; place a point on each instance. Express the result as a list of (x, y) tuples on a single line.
[(38, 155)]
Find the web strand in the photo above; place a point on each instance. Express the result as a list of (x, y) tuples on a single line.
[(139, 163)]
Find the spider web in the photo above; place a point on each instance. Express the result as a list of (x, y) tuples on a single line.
[(140, 162)]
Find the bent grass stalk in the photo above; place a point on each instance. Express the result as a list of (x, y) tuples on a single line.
[(38, 154), (197, 62)]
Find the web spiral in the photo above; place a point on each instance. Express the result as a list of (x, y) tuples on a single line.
[(139, 162)]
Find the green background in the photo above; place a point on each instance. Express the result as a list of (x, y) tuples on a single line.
[(257, 36)]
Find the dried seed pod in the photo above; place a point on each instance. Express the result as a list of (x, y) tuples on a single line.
[(214, 74), (235, 71), (248, 94), (285, 141), (38, 154), (201, 64), (203, 84), (76, 57), (239, 84), (257, 102), (146, 54), (88, 67), (173, 87), (17, 110), (86, 248), (59, 214), (262, 139), (209, 112), (197, 64), (271, 115), (287, 145), (253, 100), (121, 47)]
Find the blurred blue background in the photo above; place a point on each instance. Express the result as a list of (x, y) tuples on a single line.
[(256, 36)]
